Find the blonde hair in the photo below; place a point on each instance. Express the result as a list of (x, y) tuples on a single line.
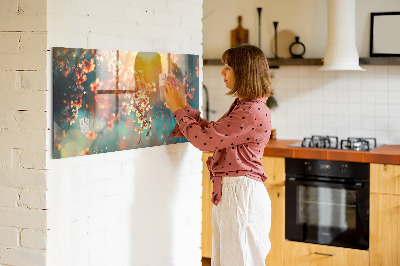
[(250, 66)]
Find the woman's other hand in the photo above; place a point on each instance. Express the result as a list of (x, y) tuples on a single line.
[(174, 94)]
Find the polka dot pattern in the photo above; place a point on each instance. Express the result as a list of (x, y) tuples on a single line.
[(238, 139)]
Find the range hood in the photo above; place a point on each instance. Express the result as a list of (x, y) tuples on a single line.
[(341, 51)]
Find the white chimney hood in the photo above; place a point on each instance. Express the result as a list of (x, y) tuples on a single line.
[(341, 51)]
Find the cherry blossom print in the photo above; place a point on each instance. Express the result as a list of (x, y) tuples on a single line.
[(118, 92)]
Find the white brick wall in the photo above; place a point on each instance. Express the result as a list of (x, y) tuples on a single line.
[(23, 178), (9, 237), (33, 239), (23, 132), (24, 256), (136, 207), (101, 207), (8, 197)]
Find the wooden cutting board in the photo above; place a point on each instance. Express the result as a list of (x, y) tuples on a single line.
[(239, 35)]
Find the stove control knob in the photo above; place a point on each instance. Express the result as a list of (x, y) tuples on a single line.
[(343, 168), (308, 166)]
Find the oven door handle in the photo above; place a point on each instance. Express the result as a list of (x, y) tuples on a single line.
[(357, 185)]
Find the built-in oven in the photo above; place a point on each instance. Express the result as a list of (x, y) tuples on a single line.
[(327, 202)]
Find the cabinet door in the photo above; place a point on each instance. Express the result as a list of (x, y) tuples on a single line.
[(274, 168), (206, 232), (384, 236), (385, 178), (277, 233), (305, 254)]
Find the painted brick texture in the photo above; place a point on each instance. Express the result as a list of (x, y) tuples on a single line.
[(136, 207), (111, 209), (33, 239), (9, 237), (23, 132)]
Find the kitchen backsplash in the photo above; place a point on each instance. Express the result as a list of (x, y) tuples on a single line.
[(314, 102)]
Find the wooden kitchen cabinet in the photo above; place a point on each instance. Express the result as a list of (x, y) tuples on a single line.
[(274, 168), (206, 225), (385, 178), (305, 254), (384, 236), (277, 233)]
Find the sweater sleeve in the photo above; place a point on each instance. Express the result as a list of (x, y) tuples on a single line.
[(193, 113), (234, 129)]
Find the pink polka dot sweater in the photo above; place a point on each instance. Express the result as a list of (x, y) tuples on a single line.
[(238, 139)]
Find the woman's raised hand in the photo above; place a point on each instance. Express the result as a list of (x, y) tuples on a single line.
[(174, 94), (181, 91)]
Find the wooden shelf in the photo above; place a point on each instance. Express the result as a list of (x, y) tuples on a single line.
[(212, 62), (380, 61), (274, 63)]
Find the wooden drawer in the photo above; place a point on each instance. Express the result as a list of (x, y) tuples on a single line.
[(305, 254)]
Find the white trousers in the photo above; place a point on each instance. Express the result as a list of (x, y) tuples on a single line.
[(241, 223)]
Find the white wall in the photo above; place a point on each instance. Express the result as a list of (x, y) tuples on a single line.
[(136, 207), (311, 102), (23, 133), (305, 18), (345, 103)]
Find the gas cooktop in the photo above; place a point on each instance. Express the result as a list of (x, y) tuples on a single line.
[(332, 142)]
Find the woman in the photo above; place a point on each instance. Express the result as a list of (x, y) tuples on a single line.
[(242, 208)]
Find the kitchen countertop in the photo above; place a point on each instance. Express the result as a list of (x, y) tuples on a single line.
[(389, 154)]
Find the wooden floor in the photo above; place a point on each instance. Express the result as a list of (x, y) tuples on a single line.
[(206, 261)]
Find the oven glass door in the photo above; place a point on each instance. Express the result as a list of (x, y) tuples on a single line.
[(326, 207), (326, 213)]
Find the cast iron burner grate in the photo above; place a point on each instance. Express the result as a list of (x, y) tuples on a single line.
[(327, 142), (332, 142), (358, 144)]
